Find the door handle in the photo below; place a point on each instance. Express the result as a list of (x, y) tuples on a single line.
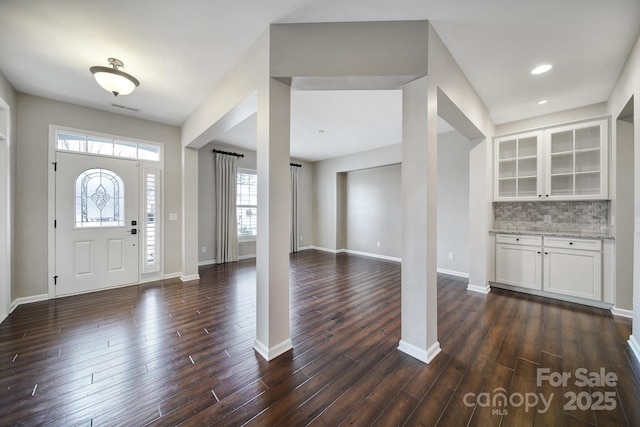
[(133, 231)]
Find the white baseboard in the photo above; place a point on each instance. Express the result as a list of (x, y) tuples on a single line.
[(372, 255), (305, 248), (246, 256), (207, 262), (271, 353), (480, 289), (175, 275), (622, 312), (190, 277), (453, 273), (26, 300), (425, 356), (635, 347), (320, 248)]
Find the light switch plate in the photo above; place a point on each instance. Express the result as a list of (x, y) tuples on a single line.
[(173, 217)]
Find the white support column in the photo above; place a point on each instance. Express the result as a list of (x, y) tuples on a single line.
[(189, 214), (272, 248), (481, 244), (419, 183)]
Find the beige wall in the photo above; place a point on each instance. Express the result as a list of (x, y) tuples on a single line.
[(34, 117), (627, 86), (547, 120), (374, 211), (326, 220), (453, 202)]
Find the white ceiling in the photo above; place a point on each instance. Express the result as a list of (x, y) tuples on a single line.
[(180, 49)]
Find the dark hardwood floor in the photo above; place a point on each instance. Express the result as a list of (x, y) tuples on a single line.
[(170, 353)]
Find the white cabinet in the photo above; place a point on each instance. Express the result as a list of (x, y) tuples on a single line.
[(519, 261), (518, 166), (561, 163), (576, 162), (571, 267)]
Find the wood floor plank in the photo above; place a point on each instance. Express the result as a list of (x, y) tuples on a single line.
[(174, 353)]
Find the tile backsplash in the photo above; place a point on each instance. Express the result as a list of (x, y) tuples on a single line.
[(581, 217)]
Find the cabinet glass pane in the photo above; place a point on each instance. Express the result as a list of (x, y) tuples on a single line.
[(508, 169), (588, 161), (562, 141), (562, 163), (527, 167), (507, 188), (507, 149), (588, 138), (527, 187), (562, 185), (528, 147), (588, 183)]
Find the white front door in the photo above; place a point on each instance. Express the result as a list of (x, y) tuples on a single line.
[(96, 223)]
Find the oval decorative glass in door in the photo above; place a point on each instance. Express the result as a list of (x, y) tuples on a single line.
[(99, 198)]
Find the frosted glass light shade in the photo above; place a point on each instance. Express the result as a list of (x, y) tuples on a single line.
[(113, 80)]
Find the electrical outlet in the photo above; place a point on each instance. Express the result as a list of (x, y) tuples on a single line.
[(451, 256), (204, 249), (378, 244)]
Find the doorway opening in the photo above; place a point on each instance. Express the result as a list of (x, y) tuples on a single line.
[(623, 213)]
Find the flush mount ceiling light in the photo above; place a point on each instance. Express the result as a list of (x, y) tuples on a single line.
[(541, 69), (113, 80), (543, 101)]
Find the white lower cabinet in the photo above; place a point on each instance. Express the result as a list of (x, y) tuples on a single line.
[(574, 272), (519, 261), (571, 267)]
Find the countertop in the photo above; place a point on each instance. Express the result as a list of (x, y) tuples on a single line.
[(570, 234)]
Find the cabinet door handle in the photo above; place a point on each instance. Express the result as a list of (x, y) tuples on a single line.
[(546, 253), (546, 195), (539, 195), (517, 240), (571, 243), (539, 252)]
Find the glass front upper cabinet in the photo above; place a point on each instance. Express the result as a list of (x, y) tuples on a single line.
[(560, 163), (576, 161), (518, 167)]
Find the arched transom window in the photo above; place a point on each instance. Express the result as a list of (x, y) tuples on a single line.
[(99, 198)]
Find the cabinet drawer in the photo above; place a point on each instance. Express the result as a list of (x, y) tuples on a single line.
[(515, 239), (567, 243)]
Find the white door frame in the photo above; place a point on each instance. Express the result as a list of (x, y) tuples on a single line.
[(51, 188), (5, 211)]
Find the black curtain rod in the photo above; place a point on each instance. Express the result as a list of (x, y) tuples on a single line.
[(229, 153), (296, 165)]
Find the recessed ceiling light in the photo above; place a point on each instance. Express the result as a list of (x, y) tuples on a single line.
[(541, 69), (320, 131), (543, 101)]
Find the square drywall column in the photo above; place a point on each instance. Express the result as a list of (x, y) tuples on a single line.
[(419, 210), (272, 245)]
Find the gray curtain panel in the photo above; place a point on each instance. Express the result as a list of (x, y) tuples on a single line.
[(293, 211), (226, 241)]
